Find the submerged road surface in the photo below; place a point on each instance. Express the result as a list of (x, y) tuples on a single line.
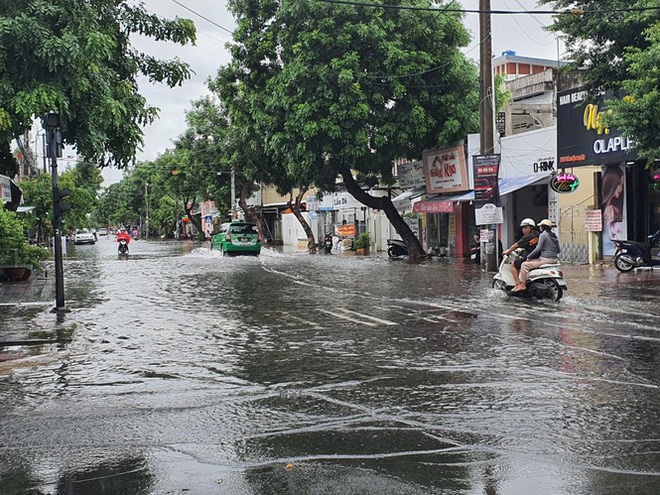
[(294, 374)]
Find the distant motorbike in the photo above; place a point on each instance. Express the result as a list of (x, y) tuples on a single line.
[(122, 249), (327, 243), (475, 252), (544, 282), (396, 248), (631, 254)]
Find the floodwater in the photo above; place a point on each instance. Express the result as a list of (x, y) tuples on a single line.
[(187, 372)]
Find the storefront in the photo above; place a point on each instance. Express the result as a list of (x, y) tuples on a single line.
[(623, 186), (528, 161)]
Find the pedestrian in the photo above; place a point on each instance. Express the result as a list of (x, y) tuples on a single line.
[(528, 242), (546, 252)]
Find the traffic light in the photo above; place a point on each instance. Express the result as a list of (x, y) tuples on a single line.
[(54, 149), (59, 206)]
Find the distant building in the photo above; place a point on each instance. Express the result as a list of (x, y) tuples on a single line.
[(513, 66)]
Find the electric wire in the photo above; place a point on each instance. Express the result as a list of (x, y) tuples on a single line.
[(524, 31), (574, 11), (203, 17)]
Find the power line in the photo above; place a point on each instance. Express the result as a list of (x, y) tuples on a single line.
[(203, 17), (574, 11)]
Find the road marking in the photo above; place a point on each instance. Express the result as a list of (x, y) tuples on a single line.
[(347, 318), (302, 320), (378, 320)]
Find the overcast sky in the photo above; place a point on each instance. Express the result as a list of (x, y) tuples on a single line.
[(522, 33)]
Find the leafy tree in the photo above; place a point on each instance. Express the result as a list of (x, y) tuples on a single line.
[(76, 57), (621, 51), (346, 90), (14, 247), (598, 38), (38, 192)]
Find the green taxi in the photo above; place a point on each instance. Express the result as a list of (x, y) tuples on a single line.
[(237, 238)]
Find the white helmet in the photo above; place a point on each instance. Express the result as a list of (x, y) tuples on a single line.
[(528, 221), (546, 223)]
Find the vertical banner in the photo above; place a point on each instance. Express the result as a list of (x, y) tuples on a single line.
[(487, 208), (486, 186), (613, 201)]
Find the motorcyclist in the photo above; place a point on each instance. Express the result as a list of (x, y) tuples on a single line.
[(528, 242), (124, 235), (546, 252)]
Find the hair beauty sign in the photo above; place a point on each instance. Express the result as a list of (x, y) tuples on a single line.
[(582, 137)]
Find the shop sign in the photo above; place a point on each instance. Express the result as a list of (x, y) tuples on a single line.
[(486, 186), (433, 207), (582, 136), (411, 175), (593, 220), (446, 170), (564, 183), (489, 214), (346, 230), (5, 189)]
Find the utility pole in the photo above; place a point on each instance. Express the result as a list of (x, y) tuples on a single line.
[(486, 115), (146, 210), (233, 193)]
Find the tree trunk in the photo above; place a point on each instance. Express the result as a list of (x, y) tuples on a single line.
[(295, 208), (415, 250), (251, 214), (196, 222)]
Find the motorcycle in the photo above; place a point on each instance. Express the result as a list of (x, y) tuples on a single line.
[(631, 254), (475, 252), (327, 243), (396, 248), (544, 282), (122, 249)]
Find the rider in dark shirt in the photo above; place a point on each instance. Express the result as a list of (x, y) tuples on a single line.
[(528, 242)]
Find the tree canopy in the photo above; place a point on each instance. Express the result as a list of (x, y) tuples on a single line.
[(620, 51), (75, 57), (335, 89)]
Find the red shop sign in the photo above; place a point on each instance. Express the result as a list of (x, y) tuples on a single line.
[(433, 207)]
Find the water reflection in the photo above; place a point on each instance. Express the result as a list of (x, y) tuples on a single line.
[(127, 475), (301, 374)]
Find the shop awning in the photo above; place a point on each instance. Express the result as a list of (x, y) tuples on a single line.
[(510, 185), (444, 204), (441, 203), (409, 194)]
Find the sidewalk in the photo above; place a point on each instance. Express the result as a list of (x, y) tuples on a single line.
[(40, 288)]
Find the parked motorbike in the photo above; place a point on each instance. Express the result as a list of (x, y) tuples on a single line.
[(327, 243), (544, 282), (396, 248), (631, 254), (475, 252)]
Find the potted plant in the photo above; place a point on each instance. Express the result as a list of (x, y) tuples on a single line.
[(362, 243), (17, 257)]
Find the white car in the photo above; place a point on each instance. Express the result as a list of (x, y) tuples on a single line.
[(102, 231), (84, 237)]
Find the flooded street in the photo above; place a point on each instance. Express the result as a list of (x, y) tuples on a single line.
[(187, 372)]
